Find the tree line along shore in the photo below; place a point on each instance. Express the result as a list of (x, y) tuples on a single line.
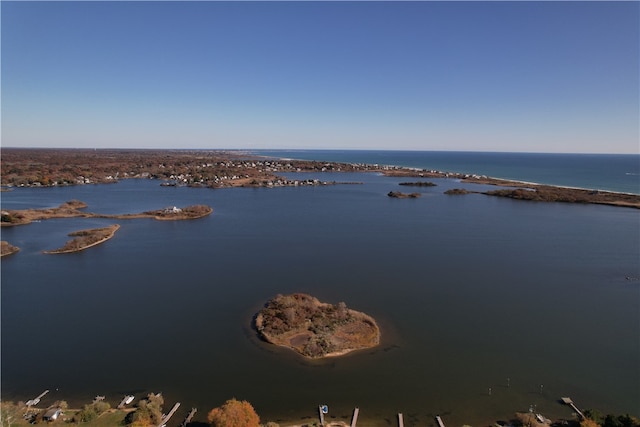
[(150, 411)]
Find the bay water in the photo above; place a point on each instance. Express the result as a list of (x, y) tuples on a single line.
[(487, 306)]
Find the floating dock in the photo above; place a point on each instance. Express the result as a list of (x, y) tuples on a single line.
[(189, 417)]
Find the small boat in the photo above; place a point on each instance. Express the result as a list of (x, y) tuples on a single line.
[(128, 399)]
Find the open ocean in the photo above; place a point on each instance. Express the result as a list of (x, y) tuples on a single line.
[(611, 172), (487, 306)]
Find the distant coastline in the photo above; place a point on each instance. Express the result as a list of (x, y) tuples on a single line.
[(617, 173), (224, 169)]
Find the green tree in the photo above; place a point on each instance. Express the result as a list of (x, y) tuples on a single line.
[(147, 413), (234, 413), (595, 415), (87, 414), (620, 421)]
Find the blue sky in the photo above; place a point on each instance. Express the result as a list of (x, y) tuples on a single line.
[(477, 76)]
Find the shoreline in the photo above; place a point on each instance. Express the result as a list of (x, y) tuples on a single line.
[(337, 416), (492, 180), (519, 183), (201, 168)]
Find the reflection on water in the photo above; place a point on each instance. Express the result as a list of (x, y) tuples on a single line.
[(472, 293)]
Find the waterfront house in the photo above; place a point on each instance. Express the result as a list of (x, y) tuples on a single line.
[(52, 414)]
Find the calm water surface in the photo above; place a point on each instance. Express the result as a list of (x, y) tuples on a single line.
[(471, 293)]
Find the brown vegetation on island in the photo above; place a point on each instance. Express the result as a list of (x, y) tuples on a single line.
[(546, 193), (419, 184), (7, 248), (72, 208), (172, 214), (457, 191), (543, 193), (84, 239), (314, 329), (526, 191), (68, 209), (401, 195)]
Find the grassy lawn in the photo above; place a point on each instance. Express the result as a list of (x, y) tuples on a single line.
[(111, 418)]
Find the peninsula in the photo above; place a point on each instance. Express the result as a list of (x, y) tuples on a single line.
[(72, 209), (315, 329), (84, 239), (7, 248)]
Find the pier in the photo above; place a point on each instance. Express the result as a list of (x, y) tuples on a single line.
[(189, 417), (568, 401), (439, 420), (354, 419), (165, 418), (400, 420), (322, 409), (35, 401)]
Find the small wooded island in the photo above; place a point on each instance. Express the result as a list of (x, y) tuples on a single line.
[(401, 195), (315, 329)]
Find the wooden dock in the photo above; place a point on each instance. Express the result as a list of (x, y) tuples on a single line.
[(166, 418), (321, 413), (439, 420), (354, 419), (568, 401), (36, 400), (189, 417), (400, 420)]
